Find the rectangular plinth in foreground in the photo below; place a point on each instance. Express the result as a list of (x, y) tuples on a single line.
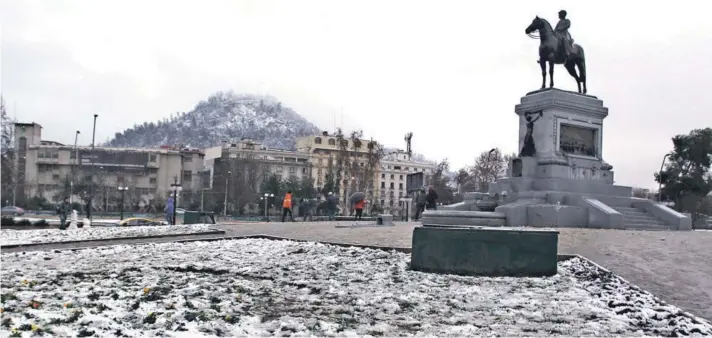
[(485, 251)]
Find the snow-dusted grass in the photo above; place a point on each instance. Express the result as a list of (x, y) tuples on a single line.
[(259, 287), (10, 237)]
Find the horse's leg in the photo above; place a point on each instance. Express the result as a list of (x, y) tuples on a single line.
[(571, 67), (582, 73), (551, 73), (542, 64)]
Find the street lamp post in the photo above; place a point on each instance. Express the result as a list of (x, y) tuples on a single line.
[(660, 184), (76, 158), (175, 188), (91, 194), (266, 198), (121, 207), (227, 178)]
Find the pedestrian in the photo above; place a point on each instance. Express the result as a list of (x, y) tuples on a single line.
[(307, 205), (287, 206), (359, 205), (431, 199), (64, 210), (169, 210), (331, 205), (419, 203)]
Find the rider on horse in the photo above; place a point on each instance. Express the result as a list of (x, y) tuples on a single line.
[(562, 33)]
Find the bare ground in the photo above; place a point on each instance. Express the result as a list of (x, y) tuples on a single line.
[(673, 265)]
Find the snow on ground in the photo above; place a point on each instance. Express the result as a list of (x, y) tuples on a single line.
[(10, 237), (258, 287)]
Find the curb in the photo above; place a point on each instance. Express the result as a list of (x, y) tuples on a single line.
[(29, 245)]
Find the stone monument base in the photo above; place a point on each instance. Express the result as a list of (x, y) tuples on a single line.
[(485, 251)]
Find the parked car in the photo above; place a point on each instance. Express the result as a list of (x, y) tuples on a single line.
[(180, 211), (12, 211), (138, 221)]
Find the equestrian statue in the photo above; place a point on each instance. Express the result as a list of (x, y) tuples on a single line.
[(557, 47)]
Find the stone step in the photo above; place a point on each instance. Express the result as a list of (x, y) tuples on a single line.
[(639, 217), (647, 226), (627, 209), (644, 222)]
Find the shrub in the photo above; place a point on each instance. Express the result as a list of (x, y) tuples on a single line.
[(23, 221), (41, 222), (7, 221)]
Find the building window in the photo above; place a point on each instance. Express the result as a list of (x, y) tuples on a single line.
[(152, 180), (393, 176), (304, 170), (317, 140), (332, 142), (152, 158), (187, 176), (55, 177), (383, 176), (292, 170), (383, 202), (400, 185), (400, 194), (72, 155), (188, 158), (383, 184), (401, 177), (279, 169), (392, 185)]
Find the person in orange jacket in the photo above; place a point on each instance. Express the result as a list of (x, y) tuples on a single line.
[(359, 206), (287, 206)]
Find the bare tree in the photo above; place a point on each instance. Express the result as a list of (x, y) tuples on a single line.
[(8, 155), (489, 167), (244, 185)]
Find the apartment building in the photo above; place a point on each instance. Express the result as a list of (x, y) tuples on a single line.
[(52, 170), (354, 156), (394, 169)]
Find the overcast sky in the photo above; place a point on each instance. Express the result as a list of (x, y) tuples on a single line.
[(449, 71)]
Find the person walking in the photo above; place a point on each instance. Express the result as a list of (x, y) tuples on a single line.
[(169, 210), (331, 202), (64, 209), (419, 203), (359, 205), (431, 199), (287, 206)]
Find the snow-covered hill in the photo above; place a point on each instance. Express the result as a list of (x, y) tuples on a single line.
[(223, 116)]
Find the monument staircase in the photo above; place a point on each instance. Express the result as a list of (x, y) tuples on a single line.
[(637, 219), (560, 178)]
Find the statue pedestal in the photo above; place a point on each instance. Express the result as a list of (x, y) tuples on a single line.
[(566, 182)]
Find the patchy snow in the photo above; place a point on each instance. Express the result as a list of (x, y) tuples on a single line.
[(259, 287), (11, 237)]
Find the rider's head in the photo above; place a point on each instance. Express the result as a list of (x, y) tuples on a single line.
[(562, 14)]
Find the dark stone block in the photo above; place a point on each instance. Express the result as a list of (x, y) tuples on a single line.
[(485, 251)]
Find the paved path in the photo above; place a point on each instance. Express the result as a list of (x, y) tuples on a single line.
[(674, 265)]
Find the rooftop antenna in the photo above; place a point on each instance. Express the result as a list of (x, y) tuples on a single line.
[(408, 138)]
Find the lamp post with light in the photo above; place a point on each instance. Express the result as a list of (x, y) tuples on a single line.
[(175, 188), (266, 197), (227, 180), (660, 184), (123, 190)]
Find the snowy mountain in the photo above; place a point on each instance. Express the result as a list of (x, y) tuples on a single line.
[(223, 116)]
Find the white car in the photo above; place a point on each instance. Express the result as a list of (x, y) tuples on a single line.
[(180, 211)]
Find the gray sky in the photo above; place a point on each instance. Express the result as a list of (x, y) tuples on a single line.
[(449, 71)]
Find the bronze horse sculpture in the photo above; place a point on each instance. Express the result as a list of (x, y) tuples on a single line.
[(551, 50)]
